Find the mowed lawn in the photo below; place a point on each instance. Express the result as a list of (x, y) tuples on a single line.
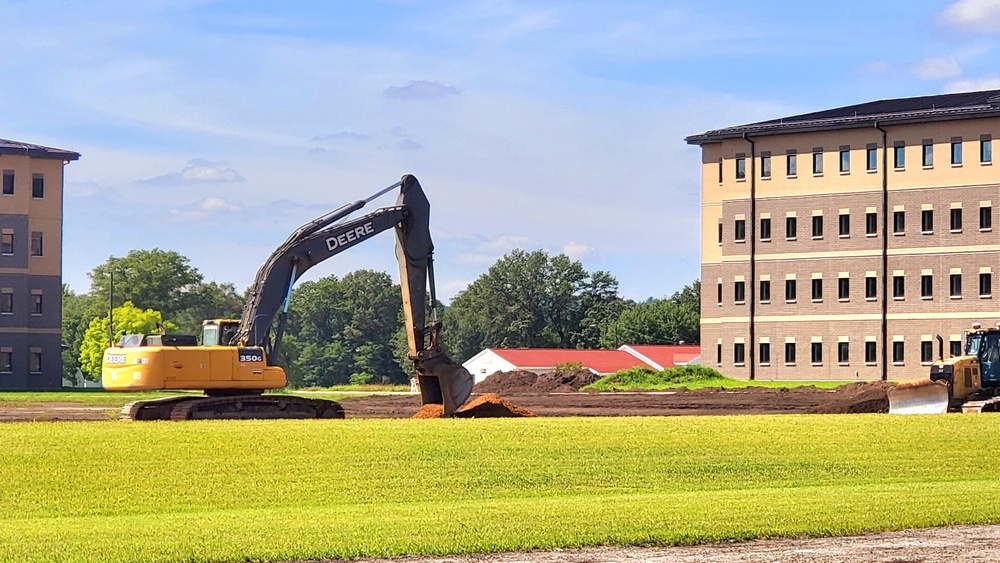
[(279, 490)]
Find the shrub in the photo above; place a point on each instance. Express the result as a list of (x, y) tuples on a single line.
[(647, 378)]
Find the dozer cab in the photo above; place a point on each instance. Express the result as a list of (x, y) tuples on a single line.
[(235, 362), (969, 382)]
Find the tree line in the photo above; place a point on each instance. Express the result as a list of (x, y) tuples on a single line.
[(349, 329)]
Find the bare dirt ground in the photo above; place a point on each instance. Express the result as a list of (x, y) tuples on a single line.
[(559, 395)]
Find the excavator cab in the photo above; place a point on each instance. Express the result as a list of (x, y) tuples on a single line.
[(219, 332)]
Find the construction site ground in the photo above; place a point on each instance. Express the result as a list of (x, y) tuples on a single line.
[(550, 395)]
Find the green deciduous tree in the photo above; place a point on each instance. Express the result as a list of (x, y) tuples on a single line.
[(77, 312), (128, 319), (156, 279), (530, 300), (658, 321)]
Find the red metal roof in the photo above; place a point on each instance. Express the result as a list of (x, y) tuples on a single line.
[(600, 361), (667, 356)]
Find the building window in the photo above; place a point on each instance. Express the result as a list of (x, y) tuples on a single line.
[(36, 243), (843, 353), (790, 228), (955, 347), (985, 149), (7, 302), (741, 167), (720, 233), (739, 292), (927, 221), (898, 222), (817, 353), (35, 362), (985, 218), (789, 291), (956, 151), (845, 160), (926, 352), (897, 352), (898, 287), (718, 354), (738, 354), (720, 170), (871, 352), (37, 186), (791, 162), (6, 357), (955, 285), (985, 284), (927, 154), (844, 222), (871, 156), (8, 182), (765, 165), (843, 289), (765, 229), (789, 353), (817, 162), (871, 223), (956, 219), (765, 354), (7, 243), (817, 289), (36, 303), (871, 287), (817, 226), (899, 157), (741, 230), (720, 294), (926, 286), (765, 291)]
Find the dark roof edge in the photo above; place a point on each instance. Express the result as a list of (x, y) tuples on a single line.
[(860, 122), (36, 151)]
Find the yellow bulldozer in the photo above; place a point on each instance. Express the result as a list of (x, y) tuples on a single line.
[(969, 382)]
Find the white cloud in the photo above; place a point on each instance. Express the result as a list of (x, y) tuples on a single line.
[(420, 90), (973, 15), (937, 68), (197, 171), (578, 250), (202, 210), (990, 81), (340, 136)]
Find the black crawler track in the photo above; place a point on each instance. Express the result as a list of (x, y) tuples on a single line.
[(235, 407)]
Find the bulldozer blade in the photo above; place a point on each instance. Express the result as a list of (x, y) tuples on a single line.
[(445, 383), (921, 396)]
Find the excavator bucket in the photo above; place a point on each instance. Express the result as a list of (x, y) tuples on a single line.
[(444, 383), (918, 396)]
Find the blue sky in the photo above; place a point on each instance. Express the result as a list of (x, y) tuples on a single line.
[(216, 128)]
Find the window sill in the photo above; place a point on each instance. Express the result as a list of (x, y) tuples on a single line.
[(872, 171), (765, 301), (927, 297), (36, 314), (791, 239), (739, 364), (986, 230), (955, 231), (817, 174), (927, 232), (899, 169), (898, 364), (926, 363), (843, 300), (786, 301), (956, 297), (740, 240), (956, 164), (741, 179), (817, 301), (899, 299), (815, 364), (927, 167), (792, 176), (986, 297), (765, 364), (820, 237), (899, 234), (845, 172), (871, 298), (765, 177), (739, 302), (845, 236), (768, 239), (871, 363), (789, 364), (987, 163), (843, 363)]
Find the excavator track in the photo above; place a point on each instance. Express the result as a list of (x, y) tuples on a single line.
[(235, 407)]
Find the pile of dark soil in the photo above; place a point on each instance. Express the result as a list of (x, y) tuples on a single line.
[(492, 406), (856, 398), (529, 383), (484, 406)]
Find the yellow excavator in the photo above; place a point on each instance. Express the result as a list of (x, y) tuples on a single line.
[(969, 382), (235, 361)]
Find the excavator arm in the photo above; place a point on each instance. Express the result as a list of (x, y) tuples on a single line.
[(441, 380)]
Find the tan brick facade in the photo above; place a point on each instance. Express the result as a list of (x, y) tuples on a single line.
[(882, 258)]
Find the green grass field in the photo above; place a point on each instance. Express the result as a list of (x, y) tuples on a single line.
[(278, 490)]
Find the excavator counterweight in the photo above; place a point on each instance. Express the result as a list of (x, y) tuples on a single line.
[(236, 361)]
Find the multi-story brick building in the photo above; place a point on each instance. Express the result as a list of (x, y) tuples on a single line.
[(31, 202), (838, 244)]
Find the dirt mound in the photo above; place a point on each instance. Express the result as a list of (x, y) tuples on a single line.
[(526, 382), (856, 398), (486, 406), (492, 406), (430, 411)]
